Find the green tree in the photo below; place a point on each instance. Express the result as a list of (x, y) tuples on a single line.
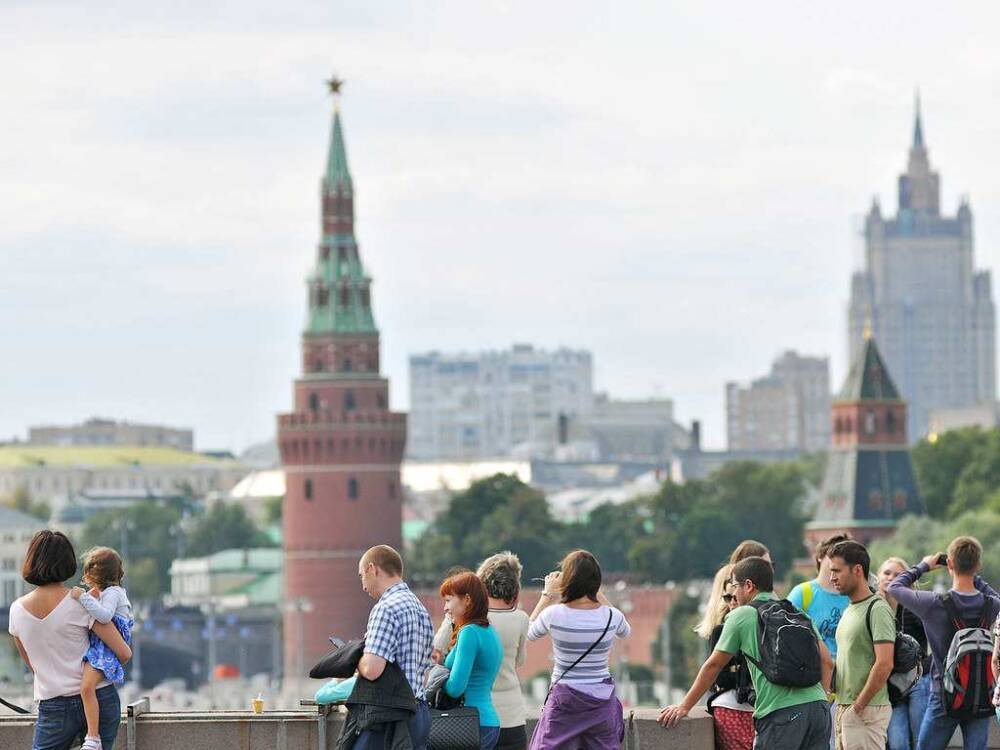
[(496, 513), (224, 526), (609, 531), (146, 535), (919, 536), (940, 464)]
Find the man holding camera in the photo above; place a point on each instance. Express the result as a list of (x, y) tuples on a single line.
[(967, 606)]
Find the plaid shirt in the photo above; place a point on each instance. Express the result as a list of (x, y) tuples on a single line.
[(400, 631)]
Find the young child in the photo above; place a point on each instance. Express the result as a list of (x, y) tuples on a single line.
[(105, 602)]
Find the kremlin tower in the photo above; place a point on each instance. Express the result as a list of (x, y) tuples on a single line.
[(341, 446)]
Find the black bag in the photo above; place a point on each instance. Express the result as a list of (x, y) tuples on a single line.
[(454, 729), (341, 662), (907, 661), (789, 649)]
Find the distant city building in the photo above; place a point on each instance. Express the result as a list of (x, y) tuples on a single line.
[(922, 298), (868, 483), (521, 401), (109, 432), (985, 416), (632, 430), (227, 580), (16, 530), (788, 410), (58, 474)]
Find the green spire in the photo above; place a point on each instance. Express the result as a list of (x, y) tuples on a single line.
[(918, 126), (869, 379), (337, 173), (339, 288)]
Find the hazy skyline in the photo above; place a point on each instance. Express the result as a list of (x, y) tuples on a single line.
[(675, 188)]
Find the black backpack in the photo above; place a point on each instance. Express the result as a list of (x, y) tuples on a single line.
[(967, 679), (789, 647), (907, 660)]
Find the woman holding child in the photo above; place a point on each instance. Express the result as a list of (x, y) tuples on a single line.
[(52, 631)]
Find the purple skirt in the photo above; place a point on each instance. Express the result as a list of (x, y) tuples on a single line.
[(572, 720)]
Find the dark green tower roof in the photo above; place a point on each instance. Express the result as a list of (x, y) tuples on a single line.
[(869, 379), (339, 287), (337, 173)]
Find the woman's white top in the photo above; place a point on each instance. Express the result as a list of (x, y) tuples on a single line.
[(55, 644)]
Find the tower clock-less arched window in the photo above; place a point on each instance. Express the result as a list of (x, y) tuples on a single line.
[(307, 489), (313, 402), (352, 488), (349, 403)]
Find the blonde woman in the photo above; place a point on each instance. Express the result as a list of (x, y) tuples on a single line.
[(907, 711), (730, 701)]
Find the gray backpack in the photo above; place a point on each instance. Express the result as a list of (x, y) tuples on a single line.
[(967, 679)]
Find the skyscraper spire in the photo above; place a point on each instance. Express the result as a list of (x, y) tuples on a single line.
[(918, 128)]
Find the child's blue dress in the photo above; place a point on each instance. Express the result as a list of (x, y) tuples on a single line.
[(113, 606)]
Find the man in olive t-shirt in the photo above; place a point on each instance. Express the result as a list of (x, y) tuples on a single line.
[(866, 637), (785, 718)]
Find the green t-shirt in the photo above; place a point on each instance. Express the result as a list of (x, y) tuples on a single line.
[(739, 633), (856, 650)]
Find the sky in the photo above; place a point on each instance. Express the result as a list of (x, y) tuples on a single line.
[(677, 187)]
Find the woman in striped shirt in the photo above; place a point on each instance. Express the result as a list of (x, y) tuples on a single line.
[(581, 710)]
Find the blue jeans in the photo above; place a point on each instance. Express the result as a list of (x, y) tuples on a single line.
[(904, 726), (420, 728), (937, 727), (488, 737), (61, 721)]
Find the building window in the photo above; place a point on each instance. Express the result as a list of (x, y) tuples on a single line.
[(349, 403), (870, 423), (380, 401), (307, 489), (890, 423), (348, 366), (352, 488), (313, 402), (392, 490)]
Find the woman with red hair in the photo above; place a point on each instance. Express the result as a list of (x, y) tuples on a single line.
[(476, 653)]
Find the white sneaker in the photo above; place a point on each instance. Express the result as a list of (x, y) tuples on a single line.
[(91, 743)]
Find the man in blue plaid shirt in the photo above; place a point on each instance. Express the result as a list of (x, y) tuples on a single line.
[(399, 631)]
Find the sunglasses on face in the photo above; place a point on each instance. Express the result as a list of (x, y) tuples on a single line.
[(728, 597)]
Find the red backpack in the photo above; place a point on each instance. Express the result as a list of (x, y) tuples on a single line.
[(967, 679)]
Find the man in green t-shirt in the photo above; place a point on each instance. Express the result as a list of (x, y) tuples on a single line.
[(785, 718), (866, 638)]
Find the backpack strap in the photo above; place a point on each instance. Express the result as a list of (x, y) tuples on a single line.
[(957, 621), (807, 595), (868, 619)]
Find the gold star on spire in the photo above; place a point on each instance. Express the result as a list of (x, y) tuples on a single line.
[(335, 84)]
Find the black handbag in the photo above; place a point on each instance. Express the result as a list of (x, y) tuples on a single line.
[(454, 729)]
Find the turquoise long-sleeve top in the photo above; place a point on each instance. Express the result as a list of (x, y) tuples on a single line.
[(474, 664)]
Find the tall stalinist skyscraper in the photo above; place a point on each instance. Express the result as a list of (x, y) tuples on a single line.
[(923, 300), (341, 446)]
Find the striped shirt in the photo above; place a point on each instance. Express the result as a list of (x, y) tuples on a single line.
[(573, 631)]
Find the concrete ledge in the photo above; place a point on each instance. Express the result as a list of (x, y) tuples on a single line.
[(300, 730)]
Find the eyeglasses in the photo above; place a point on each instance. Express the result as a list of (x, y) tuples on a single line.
[(728, 597)]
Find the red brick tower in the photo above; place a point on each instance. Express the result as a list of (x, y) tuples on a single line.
[(341, 446)]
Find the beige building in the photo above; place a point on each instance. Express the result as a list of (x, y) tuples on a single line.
[(56, 474), (16, 530), (787, 410)]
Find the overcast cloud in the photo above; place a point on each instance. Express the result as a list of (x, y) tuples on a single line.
[(676, 187)]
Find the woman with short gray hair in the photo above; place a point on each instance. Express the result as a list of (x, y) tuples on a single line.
[(501, 574)]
